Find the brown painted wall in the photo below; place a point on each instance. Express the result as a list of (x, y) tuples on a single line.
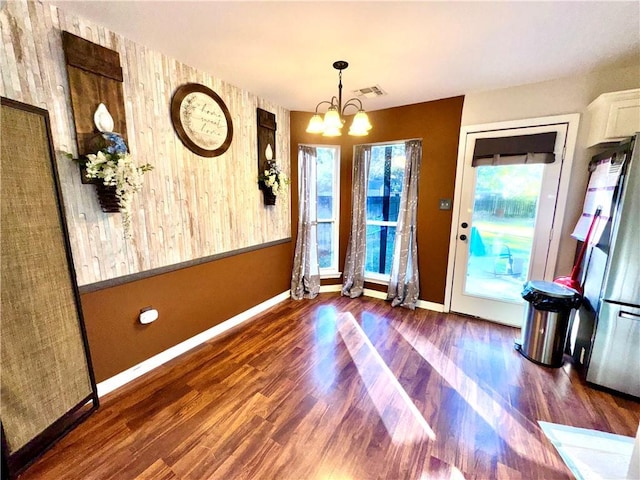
[(189, 301), (437, 123)]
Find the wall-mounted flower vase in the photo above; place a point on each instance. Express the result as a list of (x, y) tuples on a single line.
[(272, 181), (108, 198), (269, 196)]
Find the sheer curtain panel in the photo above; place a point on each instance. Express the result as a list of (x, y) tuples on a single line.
[(353, 283), (404, 285), (305, 278)]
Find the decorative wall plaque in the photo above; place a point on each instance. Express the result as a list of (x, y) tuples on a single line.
[(266, 138), (201, 120), (95, 78)]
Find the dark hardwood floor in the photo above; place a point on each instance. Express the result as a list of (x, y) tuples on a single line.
[(343, 389)]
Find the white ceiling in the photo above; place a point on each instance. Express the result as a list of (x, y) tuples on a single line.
[(415, 51)]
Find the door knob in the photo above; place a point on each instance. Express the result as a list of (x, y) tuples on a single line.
[(464, 225), (463, 237)]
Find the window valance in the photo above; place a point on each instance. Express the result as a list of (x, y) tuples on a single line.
[(520, 149)]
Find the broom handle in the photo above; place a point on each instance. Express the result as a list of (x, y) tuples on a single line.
[(576, 268)]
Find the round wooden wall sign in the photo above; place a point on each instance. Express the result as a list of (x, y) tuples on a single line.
[(201, 120)]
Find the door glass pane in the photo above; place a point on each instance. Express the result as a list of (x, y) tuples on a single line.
[(325, 247), (502, 228)]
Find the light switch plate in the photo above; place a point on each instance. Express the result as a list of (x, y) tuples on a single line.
[(445, 204)]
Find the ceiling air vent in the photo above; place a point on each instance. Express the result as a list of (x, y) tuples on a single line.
[(370, 92)]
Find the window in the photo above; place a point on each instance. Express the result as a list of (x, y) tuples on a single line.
[(328, 192), (386, 175), (328, 207)]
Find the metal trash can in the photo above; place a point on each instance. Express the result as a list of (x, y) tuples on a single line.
[(546, 321)]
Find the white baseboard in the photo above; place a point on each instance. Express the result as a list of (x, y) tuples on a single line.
[(149, 364), (122, 378), (436, 307), (367, 292), (330, 288)]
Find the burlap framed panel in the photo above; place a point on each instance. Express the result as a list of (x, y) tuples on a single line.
[(47, 383)]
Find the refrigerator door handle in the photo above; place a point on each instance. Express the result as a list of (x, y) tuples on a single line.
[(629, 315)]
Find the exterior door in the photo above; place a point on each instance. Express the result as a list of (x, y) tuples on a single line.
[(504, 229)]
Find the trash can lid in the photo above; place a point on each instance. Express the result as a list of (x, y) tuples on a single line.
[(551, 289)]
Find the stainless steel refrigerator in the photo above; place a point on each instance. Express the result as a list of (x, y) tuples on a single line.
[(612, 282)]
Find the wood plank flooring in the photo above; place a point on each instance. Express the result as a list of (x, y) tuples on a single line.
[(335, 388)]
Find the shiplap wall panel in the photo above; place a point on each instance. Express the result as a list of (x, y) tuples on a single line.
[(190, 207)]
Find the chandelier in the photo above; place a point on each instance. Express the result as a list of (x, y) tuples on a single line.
[(331, 124)]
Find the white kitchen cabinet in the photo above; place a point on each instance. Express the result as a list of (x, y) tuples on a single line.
[(613, 117)]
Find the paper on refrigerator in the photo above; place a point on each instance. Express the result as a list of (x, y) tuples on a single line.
[(600, 193)]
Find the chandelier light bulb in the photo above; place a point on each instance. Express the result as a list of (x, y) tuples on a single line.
[(332, 132), (332, 119), (316, 124), (360, 125), (355, 132)]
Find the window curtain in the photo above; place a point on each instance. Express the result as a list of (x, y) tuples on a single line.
[(353, 277), (404, 285), (305, 277)]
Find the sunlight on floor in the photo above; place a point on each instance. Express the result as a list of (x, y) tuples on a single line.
[(324, 349), (498, 417), (454, 474), (401, 418), (333, 476)]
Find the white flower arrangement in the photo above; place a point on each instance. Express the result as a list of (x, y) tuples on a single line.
[(117, 169), (274, 178)]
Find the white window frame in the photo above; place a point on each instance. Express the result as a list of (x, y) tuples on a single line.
[(375, 277), (332, 271)]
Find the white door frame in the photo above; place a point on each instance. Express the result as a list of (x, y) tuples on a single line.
[(572, 121)]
